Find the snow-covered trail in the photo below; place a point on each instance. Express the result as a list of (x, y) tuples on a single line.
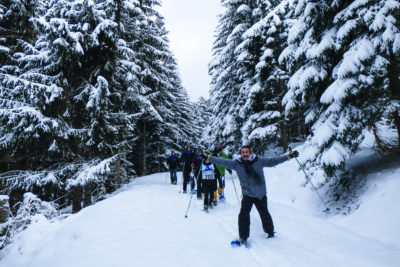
[(144, 225)]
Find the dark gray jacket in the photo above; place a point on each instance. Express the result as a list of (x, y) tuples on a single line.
[(250, 172)]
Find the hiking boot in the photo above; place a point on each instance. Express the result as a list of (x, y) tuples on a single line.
[(243, 242), (271, 235)]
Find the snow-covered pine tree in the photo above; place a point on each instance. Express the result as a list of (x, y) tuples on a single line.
[(16, 33), (266, 123), (204, 115), (340, 53), (308, 58), (365, 94), (248, 53), (379, 71), (81, 87), (227, 79), (168, 121), (27, 96), (81, 37)]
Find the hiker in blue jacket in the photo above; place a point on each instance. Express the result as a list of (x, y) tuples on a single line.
[(173, 163)]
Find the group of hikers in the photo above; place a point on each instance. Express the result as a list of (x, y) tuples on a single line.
[(208, 168), (210, 178)]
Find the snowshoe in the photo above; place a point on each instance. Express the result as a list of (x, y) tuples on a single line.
[(239, 243)]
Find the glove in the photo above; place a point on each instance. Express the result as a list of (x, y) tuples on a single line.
[(293, 154), (230, 171), (205, 156)]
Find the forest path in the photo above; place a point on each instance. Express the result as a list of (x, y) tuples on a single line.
[(144, 224)]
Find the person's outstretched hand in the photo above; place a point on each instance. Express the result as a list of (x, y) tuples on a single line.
[(205, 156), (293, 154)]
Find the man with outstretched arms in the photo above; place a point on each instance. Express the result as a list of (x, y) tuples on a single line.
[(249, 169)]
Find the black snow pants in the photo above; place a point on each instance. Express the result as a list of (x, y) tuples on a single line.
[(244, 216), (208, 190), (186, 176)]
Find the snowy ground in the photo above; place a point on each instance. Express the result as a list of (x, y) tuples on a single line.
[(144, 225)]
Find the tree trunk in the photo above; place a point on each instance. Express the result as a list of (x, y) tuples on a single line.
[(284, 136), (87, 195), (394, 85), (76, 199), (144, 166), (159, 161), (117, 173), (397, 124)]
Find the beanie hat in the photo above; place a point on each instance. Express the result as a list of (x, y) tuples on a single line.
[(218, 145)]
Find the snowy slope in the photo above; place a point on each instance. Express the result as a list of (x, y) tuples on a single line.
[(379, 213), (144, 225)]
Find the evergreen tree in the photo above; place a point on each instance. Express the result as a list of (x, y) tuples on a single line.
[(266, 122), (373, 33), (93, 79), (340, 53), (30, 90), (204, 115), (168, 121), (227, 78)]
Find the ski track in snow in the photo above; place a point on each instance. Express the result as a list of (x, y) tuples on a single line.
[(144, 224)]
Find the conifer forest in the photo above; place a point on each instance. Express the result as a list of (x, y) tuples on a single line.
[(91, 96)]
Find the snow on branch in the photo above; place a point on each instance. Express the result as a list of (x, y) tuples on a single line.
[(26, 180), (335, 154), (93, 171), (26, 120), (30, 209)]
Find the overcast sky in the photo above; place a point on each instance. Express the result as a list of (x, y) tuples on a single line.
[(191, 25)]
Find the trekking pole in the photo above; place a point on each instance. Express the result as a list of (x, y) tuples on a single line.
[(191, 195), (309, 180), (235, 190), (166, 177)]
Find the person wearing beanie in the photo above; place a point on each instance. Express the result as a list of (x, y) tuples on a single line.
[(173, 166)]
